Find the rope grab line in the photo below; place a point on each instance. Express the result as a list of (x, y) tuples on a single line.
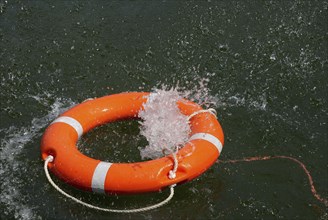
[(51, 158), (302, 165), (248, 159)]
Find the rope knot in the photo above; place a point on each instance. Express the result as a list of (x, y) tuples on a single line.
[(50, 158), (172, 174)]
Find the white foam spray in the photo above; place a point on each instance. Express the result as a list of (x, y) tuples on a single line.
[(13, 165), (163, 125)]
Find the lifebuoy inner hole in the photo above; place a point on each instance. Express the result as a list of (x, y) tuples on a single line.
[(114, 142)]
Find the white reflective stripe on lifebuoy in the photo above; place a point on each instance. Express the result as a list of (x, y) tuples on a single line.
[(72, 122), (208, 137), (99, 177)]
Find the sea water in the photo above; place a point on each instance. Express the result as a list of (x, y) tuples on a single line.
[(269, 70)]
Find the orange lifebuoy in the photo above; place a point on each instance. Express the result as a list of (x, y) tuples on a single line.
[(60, 138)]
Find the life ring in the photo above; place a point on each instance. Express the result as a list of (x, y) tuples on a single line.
[(78, 170)]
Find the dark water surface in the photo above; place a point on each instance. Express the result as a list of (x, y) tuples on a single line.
[(266, 62)]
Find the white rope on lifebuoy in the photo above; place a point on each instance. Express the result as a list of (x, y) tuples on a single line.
[(51, 158), (172, 173)]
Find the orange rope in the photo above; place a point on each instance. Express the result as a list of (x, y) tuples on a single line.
[(313, 190)]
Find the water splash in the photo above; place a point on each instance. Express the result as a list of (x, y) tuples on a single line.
[(13, 165), (199, 91), (163, 125)]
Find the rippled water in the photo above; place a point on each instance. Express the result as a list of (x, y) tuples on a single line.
[(265, 62)]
